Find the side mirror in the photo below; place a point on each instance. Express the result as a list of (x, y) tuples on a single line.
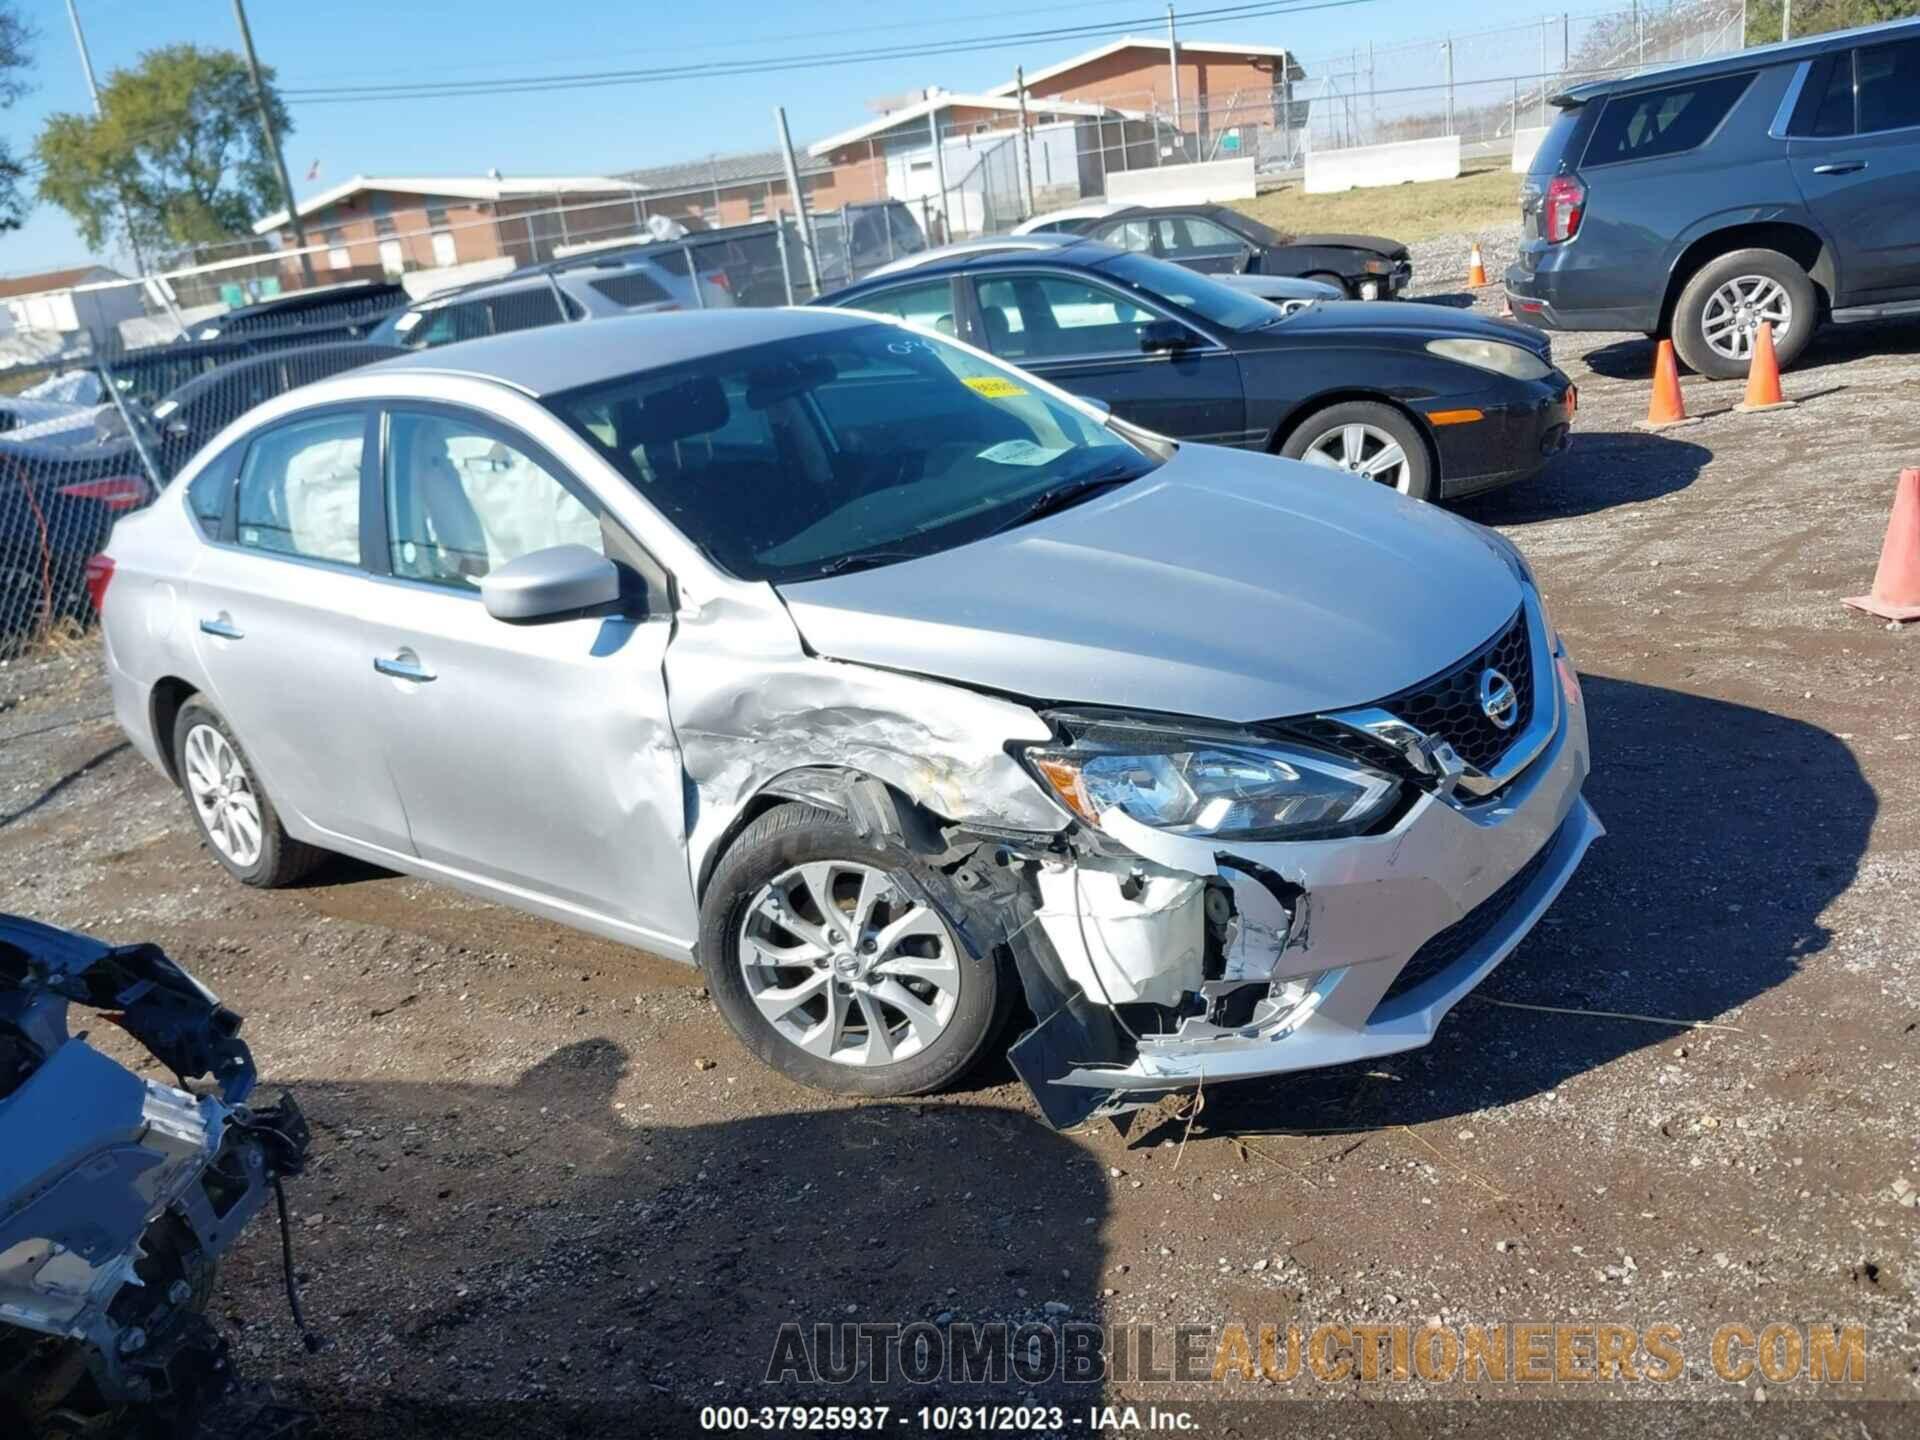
[(1169, 336), (557, 583)]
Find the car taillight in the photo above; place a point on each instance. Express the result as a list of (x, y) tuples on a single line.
[(1566, 202), (116, 492), (97, 575)]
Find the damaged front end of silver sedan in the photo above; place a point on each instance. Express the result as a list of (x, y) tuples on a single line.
[(119, 1194), (1184, 902)]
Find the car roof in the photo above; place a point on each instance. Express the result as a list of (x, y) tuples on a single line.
[(1780, 52), (223, 374), (974, 249), (552, 358), (1072, 250)]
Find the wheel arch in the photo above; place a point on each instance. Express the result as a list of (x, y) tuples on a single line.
[(1799, 242), (873, 805), (164, 704), (1327, 399)]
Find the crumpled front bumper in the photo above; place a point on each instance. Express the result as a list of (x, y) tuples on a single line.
[(1453, 888)]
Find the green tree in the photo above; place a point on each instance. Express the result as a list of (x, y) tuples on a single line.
[(14, 58), (177, 140), (1816, 17)]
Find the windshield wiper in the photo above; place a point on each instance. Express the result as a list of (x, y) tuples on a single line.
[(863, 560), (1060, 497)]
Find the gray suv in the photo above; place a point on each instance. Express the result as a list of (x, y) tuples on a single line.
[(1778, 184)]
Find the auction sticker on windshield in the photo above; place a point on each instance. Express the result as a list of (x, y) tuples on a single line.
[(993, 387), (1022, 452)]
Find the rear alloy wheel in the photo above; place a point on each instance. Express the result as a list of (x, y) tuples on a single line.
[(1368, 441), (1720, 311), (231, 808), (837, 958)]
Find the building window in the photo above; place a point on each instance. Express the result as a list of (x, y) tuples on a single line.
[(382, 207), (757, 205), (436, 215)]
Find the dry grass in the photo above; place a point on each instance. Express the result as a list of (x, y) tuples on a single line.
[(1407, 213)]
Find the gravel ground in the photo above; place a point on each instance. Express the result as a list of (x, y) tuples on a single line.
[(543, 1170)]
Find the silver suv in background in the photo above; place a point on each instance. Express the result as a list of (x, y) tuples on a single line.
[(883, 680), (590, 289)]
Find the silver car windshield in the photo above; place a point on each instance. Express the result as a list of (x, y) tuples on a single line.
[(808, 456)]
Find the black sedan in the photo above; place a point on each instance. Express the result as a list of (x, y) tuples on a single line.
[(1432, 401), (1218, 239)]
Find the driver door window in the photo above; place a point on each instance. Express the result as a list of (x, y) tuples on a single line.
[(1044, 317), (463, 500)]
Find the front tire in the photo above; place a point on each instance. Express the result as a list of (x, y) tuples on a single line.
[(1365, 440), (230, 805), (1720, 310), (1327, 277), (843, 961)]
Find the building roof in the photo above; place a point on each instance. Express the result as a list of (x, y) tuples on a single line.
[(456, 187), (554, 358), (723, 170), (17, 285), (947, 100), (1221, 48)]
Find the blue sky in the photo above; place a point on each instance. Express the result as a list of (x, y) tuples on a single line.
[(595, 131)]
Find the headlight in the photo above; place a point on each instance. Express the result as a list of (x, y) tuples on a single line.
[(1377, 267), (1195, 784), (1494, 355)]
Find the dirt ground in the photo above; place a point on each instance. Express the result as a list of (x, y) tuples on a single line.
[(544, 1172)]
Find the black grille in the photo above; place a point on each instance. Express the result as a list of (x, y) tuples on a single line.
[(1444, 949), (1448, 706)]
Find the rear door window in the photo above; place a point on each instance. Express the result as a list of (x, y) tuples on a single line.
[(300, 489), (1667, 121), (1887, 85)]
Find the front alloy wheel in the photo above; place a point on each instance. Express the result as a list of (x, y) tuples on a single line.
[(843, 959), (847, 966)]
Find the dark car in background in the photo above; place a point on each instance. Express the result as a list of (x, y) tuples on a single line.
[(1219, 239), (857, 239), (1432, 401), (1780, 184), (341, 312)]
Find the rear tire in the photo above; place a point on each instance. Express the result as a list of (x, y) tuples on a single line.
[(1325, 438), (230, 805), (1718, 312), (811, 1010)]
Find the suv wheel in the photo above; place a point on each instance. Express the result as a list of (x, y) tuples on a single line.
[(835, 956), (230, 806), (1720, 310)]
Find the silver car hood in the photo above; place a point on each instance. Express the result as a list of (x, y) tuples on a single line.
[(1224, 585)]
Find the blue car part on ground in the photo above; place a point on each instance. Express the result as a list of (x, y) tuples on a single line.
[(118, 1193)]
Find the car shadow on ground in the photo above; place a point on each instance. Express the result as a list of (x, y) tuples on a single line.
[(545, 1258), (1452, 300), (1632, 359), (1706, 893), (1599, 470)]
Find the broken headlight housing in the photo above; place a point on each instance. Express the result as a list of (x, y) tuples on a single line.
[(1217, 785)]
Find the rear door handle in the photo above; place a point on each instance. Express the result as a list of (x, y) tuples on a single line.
[(404, 666), (1840, 167), (223, 627)]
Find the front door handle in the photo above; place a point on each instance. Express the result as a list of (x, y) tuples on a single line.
[(222, 626), (1840, 167), (404, 666)]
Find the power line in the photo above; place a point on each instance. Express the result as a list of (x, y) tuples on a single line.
[(597, 79)]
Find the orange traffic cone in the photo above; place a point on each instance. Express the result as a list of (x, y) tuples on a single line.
[(1763, 376), (1896, 583), (1666, 409), (1476, 270)]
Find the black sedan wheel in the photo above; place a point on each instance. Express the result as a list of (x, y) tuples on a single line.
[(1327, 277), (1368, 441)]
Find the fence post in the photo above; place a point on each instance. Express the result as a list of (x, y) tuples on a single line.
[(780, 242), (939, 176), (1543, 70), (693, 274), (1446, 47), (799, 198), (1026, 136)]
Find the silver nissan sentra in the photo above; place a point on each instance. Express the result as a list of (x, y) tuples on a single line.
[(887, 683)]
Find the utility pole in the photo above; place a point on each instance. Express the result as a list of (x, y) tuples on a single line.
[(799, 199), (1173, 68), (1026, 136), (86, 66), (273, 142)]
